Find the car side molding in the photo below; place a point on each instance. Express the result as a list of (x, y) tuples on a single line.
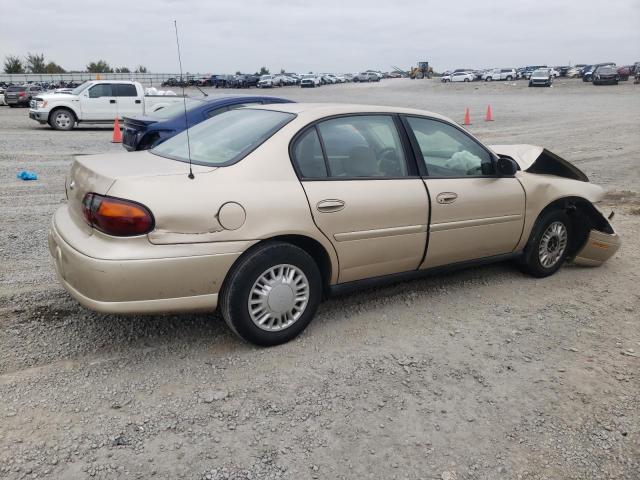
[(383, 280)]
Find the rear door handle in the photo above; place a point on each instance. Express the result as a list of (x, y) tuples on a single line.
[(137, 101), (330, 205), (112, 101), (447, 197)]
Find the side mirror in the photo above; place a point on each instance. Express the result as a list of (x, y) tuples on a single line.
[(506, 166)]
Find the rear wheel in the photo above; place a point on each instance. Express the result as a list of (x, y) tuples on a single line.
[(547, 248), (62, 119), (271, 294)]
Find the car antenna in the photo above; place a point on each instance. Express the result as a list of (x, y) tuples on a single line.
[(184, 103)]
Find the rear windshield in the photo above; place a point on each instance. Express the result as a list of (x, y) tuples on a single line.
[(225, 138), (175, 109), (14, 88)]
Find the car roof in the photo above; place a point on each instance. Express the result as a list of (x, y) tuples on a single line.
[(320, 110)]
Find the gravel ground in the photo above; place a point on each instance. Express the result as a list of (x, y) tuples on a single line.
[(481, 374)]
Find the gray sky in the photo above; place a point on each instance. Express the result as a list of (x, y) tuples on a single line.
[(322, 35)]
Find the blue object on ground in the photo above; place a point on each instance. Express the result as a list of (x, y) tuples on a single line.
[(26, 175)]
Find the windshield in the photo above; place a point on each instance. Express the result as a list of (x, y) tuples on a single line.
[(265, 77), (540, 73), (175, 109), (80, 88), (308, 76), (225, 138)]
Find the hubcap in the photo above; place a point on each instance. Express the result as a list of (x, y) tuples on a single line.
[(552, 244), (63, 120), (278, 297)]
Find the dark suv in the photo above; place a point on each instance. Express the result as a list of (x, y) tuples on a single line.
[(604, 75), (20, 95)]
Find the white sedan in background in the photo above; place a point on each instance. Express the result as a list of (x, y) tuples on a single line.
[(459, 77)]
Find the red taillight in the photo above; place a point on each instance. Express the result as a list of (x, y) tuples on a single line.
[(116, 216), (21, 94)]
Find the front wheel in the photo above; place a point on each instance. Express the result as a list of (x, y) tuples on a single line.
[(271, 294), (62, 119), (509, 78), (546, 250)]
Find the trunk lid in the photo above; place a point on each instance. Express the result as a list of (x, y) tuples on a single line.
[(98, 173)]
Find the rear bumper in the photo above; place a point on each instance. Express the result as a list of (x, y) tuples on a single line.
[(180, 282), (599, 248)]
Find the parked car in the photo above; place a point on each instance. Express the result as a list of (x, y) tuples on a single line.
[(267, 81), (499, 74), (219, 81), (99, 101), (541, 77), (366, 77), (269, 225), (461, 77), (587, 71), (142, 133), (243, 81), (310, 80), (625, 72), (605, 75), (530, 69), (573, 72), (20, 95), (2, 102)]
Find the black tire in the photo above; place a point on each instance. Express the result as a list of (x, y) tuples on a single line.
[(531, 262), (57, 117), (235, 293), (509, 78), (530, 84)]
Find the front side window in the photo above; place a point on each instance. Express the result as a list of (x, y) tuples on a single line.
[(363, 146), (101, 90), (447, 151), (225, 138)]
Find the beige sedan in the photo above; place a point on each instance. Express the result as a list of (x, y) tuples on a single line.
[(289, 203)]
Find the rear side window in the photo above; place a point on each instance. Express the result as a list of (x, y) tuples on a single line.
[(363, 146), (101, 90), (308, 156), (16, 89), (125, 90), (225, 138)]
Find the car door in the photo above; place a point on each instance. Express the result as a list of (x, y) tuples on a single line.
[(364, 195), (128, 102), (98, 102), (474, 212)]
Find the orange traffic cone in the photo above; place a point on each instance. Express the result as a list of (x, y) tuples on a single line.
[(117, 134), (489, 116), (467, 117)]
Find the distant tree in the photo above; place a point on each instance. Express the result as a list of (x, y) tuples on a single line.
[(35, 63), (282, 70), (53, 67), (13, 64), (263, 71), (141, 69), (122, 70), (238, 72), (99, 67)]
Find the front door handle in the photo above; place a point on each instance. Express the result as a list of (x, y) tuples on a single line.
[(447, 197), (112, 101), (330, 205)]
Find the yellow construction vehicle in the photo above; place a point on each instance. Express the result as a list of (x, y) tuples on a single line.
[(423, 70)]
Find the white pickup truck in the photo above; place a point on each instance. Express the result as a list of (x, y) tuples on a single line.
[(99, 101)]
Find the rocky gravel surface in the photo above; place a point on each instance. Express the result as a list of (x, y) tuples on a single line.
[(480, 374)]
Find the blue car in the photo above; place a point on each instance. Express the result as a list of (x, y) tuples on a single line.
[(143, 133)]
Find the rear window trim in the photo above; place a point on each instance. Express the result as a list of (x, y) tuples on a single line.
[(244, 153)]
